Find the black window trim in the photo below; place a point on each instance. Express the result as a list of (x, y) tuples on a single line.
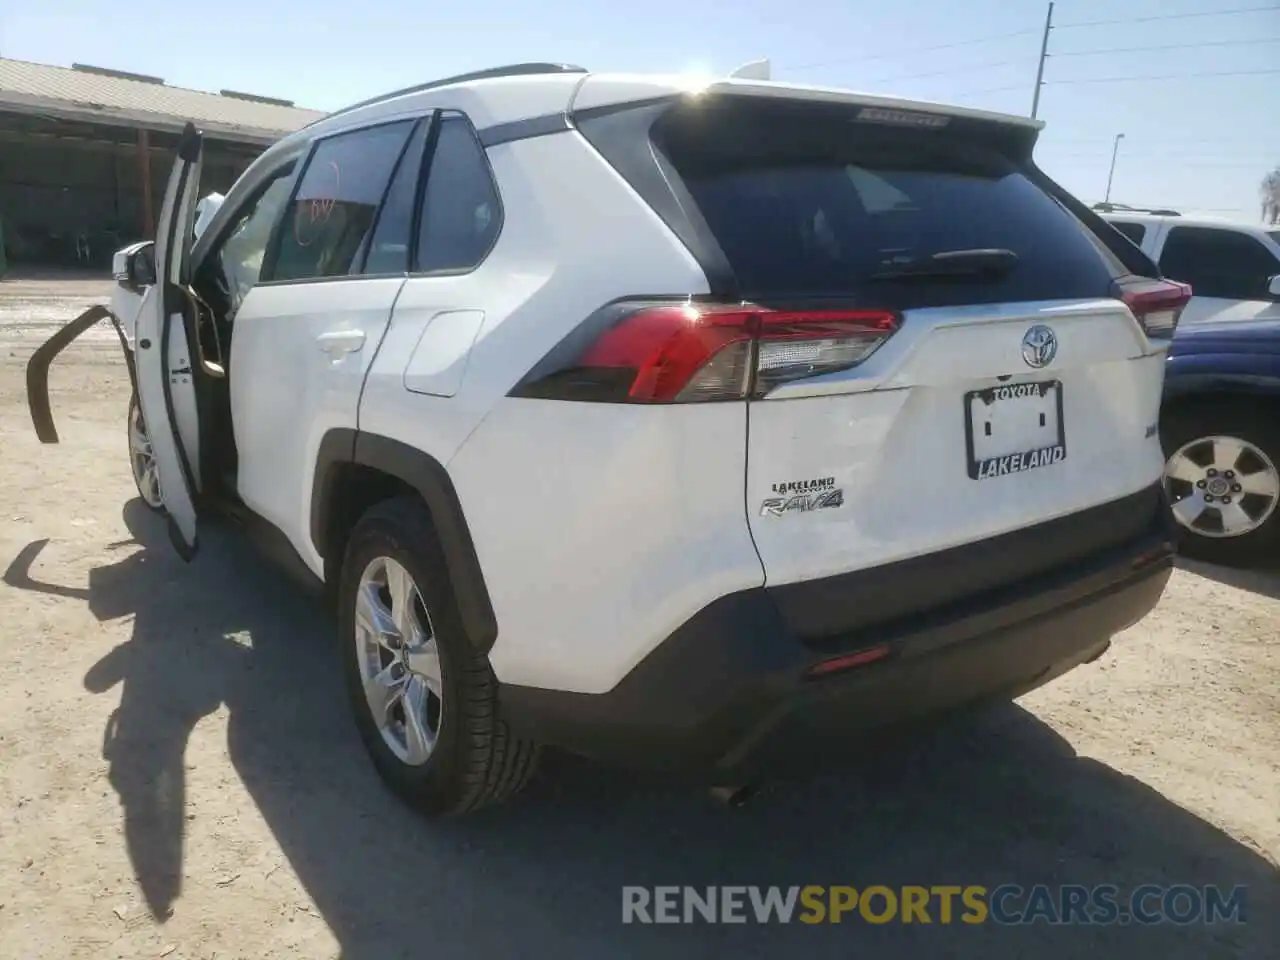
[(419, 210), (420, 188), (432, 120), (273, 247)]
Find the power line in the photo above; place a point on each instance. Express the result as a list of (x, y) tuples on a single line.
[(1170, 76), (1102, 159), (1233, 156), (899, 53), (974, 93), (1167, 16), (1178, 140), (1167, 46), (939, 73)]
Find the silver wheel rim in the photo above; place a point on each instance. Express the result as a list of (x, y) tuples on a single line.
[(143, 460), (399, 661), (1222, 486)]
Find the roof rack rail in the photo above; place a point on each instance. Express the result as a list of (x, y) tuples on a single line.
[(1125, 208), (513, 70)]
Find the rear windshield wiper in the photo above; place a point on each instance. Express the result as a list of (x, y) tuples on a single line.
[(968, 264)]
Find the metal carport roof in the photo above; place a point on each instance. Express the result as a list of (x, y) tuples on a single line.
[(113, 97)]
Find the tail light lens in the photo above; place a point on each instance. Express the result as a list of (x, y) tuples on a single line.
[(1157, 304), (646, 352)]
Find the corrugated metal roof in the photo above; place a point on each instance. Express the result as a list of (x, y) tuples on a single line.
[(83, 95)]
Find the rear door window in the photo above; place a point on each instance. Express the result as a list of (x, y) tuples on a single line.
[(1218, 263), (808, 206), (332, 212)]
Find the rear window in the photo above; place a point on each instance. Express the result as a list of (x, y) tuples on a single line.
[(811, 202)]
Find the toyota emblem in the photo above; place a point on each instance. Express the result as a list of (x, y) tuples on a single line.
[(1039, 346)]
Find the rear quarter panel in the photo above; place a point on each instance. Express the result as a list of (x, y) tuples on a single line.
[(599, 528)]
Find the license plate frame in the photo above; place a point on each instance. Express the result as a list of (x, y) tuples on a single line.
[(1020, 461)]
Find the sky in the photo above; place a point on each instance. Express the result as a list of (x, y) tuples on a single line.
[(1199, 144)]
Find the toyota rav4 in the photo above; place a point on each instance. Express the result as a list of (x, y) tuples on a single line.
[(656, 422)]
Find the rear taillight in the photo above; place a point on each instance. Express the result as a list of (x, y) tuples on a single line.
[(1157, 304), (646, 352)]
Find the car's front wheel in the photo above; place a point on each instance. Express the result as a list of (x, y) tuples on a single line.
[(425, 701), (142, 459), (1222, 473)]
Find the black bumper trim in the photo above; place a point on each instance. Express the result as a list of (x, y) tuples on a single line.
[(730, 685), (825, 613)]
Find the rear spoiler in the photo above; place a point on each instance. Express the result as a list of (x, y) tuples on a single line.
[(38, 367)]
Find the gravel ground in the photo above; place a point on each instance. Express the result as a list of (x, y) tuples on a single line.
[(179, 778)]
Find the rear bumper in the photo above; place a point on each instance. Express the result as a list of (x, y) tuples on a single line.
[(730, 690)]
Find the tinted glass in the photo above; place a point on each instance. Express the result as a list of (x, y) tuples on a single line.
[(1218, 263), (804, 209), (238, 259), (1134, 231), (333, 210), (389, 251), (461, 213)]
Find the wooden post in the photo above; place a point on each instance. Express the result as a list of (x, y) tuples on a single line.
[(144, 172)]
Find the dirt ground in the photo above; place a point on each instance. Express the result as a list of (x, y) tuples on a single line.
[(179, 777)]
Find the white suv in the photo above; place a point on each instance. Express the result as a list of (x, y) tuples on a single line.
[(1233, 268), (660, 423)]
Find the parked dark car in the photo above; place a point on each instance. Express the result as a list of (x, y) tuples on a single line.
[(1220, 429)]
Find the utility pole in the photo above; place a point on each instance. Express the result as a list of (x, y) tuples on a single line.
[(1044, 53), (1115, 148)]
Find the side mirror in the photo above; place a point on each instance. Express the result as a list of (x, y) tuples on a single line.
[(1273, 287), (141, 266), (134, 267)]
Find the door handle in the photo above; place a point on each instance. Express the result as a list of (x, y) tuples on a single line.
[(339, 342)]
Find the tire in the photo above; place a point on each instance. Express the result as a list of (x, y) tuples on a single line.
[(474, 760), (146, 484), (1191, 433)]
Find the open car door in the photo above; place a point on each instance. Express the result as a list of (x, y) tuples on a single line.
[(161, 366)]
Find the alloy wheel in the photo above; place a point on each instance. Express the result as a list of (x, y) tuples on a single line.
[(143, 459), (399, 661), (1222, 486)]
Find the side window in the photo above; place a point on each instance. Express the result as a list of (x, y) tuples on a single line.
[(333, 209), (1218, 263), (461, 212), (389, 249), (1134, 231), (239, 257)]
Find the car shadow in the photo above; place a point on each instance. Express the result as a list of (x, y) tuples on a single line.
[(1264, 581), (999, 798)]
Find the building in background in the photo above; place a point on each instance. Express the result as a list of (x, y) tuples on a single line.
[(85, 153)]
